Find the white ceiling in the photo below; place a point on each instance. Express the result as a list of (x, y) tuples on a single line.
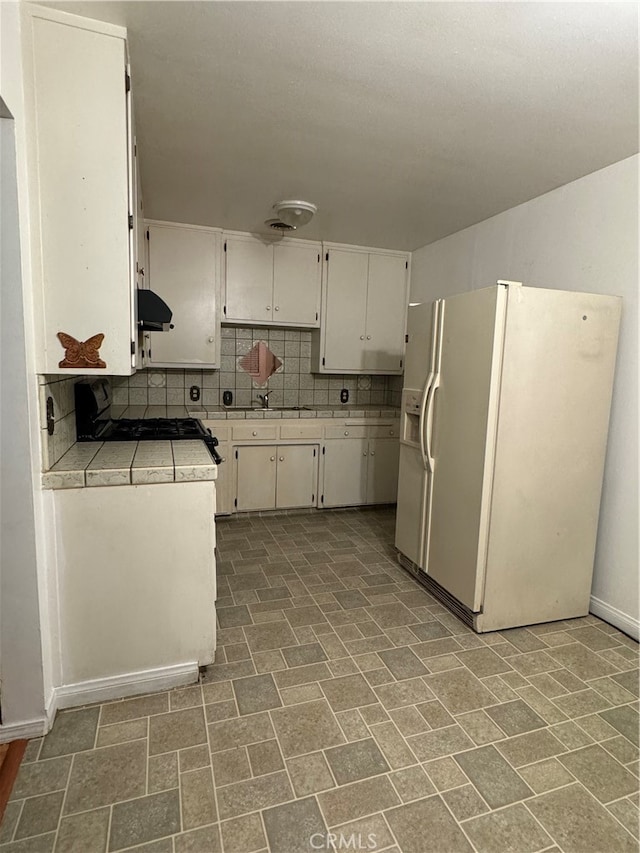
[(403, 122)]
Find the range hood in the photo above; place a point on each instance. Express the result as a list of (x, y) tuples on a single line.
[(154, 315)]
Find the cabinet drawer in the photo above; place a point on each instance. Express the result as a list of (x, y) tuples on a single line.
[(300, 431), (262, 432), (347, 432), (387, 431)]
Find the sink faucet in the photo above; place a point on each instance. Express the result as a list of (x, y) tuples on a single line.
[(265, 400)]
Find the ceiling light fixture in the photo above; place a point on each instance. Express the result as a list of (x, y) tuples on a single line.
[(295, 213)]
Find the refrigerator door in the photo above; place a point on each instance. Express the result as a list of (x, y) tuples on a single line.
[(419, 344), (411, 512), (463, 411)]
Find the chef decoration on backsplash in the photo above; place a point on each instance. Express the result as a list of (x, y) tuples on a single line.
[(260, 363), (81, 353)]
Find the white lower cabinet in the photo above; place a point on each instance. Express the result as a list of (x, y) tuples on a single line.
[(276, 476), (382, 470), (360, 471), (224, 482), (345, 472)]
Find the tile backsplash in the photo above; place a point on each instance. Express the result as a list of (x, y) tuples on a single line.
[(292, 385), (60, 389)]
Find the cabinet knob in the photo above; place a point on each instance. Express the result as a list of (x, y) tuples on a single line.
[(211, 339), (364, 453), (346, 432), (255, 432), (391, 431), (223, 458), (373, 453), (277, 308), (368, 337), (361, 337), (282, 458), (268, 307), (272, 458)]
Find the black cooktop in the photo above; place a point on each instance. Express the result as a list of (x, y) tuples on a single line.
[(161, 429)]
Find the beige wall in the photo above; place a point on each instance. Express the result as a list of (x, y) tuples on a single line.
[(582, 237)]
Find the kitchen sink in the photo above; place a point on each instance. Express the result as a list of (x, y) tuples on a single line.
[(275, 408)]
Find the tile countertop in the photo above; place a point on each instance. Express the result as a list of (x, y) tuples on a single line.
[(125, 463), (215, 413)]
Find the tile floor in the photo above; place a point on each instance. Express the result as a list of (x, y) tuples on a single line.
[(347, 700)]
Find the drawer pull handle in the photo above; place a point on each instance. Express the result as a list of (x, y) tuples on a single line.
[(346, 432), (268, 307), (272, 458), (282, 458), (368, 337), (277, 308), (254, 432), (391, 432), (361, 337)]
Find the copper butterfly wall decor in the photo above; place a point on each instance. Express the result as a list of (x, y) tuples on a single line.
[(81, 353)]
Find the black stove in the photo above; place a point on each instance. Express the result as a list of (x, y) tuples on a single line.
[(94, 421)]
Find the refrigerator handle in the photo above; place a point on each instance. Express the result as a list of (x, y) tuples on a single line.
[(429, 420), (421, 427)]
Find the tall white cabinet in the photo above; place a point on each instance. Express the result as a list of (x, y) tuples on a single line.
[(183, 268), (81, 187), (364, 295)]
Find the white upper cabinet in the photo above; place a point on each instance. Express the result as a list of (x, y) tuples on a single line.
[(183, 269), (365, 297), (272, 283), (81, 192)]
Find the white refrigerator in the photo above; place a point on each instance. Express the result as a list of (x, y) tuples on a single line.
[(505, 412)]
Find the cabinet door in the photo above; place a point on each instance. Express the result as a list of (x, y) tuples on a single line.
[(386, 313), (296, 284), (345, 309), (345, 472), (249, 280), (79, 179), (224, 482), (297, 475), (256, 477), (182, 270), (382, 470)]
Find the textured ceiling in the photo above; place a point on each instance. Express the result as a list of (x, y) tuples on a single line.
[(403, 122)]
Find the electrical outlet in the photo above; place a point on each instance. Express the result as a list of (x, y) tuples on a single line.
[(344, 395), (227, 398), (194, 393)]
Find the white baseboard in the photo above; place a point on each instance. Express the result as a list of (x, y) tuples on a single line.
[(615, 617), (123, 686), (25, 729)]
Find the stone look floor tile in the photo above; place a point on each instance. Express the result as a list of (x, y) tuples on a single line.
[(144, 819), (176, 730), (295, 826), (107, 775), (341, 693), (256, 693), (507, 830), (496, 781), (73, 731), (358, 799), (579, 824), (426, 826), (310, 774), (355, 761), (600, 773), (306, 728), (243, 834), (83, 832)]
